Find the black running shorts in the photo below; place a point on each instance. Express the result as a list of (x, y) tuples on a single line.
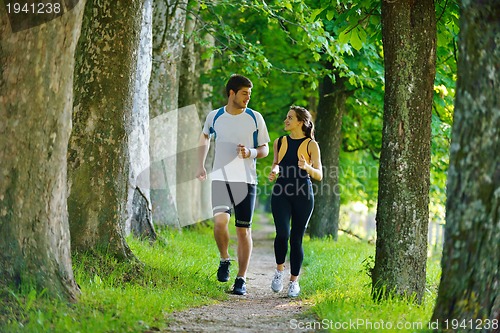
[(234, 195)]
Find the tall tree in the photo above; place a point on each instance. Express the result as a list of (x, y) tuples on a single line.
[(193, 197), (139, 208), (169, 17), (409, 41), (99, 159), (36, 94), (470, 281), (331, 105)]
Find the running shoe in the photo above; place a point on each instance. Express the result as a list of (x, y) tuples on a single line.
[(223, 271), (240, 286), (277, 283), (293, 289)]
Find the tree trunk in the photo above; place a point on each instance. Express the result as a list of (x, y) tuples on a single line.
[(139, 209), (193, 196), (470, 281), (36, 94), (169, 17), (332, 97), (98, 158), (409, 39)]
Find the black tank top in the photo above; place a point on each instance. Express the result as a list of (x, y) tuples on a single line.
[(289, 164)]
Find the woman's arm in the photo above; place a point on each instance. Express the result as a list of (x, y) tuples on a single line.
[(275, 167), (315, 169)]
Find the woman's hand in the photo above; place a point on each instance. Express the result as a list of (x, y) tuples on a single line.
[(303, 164), (273, 173)]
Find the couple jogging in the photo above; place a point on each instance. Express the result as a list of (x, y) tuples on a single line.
[(241, 138)]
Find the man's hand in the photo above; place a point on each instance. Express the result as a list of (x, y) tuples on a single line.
[(201, 174), (243, 152)]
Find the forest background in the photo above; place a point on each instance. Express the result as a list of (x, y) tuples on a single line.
[(102, 97)]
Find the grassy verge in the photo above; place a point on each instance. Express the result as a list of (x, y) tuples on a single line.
[(336, 280), (178, 272)]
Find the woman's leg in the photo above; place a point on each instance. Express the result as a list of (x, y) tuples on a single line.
[(281, 209), (302, 207)]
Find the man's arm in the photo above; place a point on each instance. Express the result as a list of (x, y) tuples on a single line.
[(262, 151), (259, 152), (203, 146)]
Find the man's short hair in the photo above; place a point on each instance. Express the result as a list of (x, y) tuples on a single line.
[(236, 82)]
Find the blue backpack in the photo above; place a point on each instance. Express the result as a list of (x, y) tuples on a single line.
[(249, 112)]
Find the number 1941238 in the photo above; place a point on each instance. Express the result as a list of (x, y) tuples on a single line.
[(33, 8), (471, 324)]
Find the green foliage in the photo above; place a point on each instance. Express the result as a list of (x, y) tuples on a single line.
[(444, 96), (284, 47)]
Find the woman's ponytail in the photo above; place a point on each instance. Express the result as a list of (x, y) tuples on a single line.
[(308, 129), (304, 116)]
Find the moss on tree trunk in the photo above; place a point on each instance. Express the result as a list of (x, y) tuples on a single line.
[(470, 281), (98, 157), (36, 93), (409, 39)]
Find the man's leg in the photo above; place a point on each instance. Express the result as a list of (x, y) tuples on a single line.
[(243, 216), (221, 203), (245, 246), (221, 234), (243, 212), (221, 208)]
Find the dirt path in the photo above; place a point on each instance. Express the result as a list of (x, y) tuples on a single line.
[(261, 310)]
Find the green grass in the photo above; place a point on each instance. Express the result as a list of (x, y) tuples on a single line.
[(178, 272), (336, 280)]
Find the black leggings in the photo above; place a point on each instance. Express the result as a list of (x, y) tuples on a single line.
[(291, 199)]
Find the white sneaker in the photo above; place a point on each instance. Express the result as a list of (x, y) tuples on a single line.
[(277, 284), (293, 289)]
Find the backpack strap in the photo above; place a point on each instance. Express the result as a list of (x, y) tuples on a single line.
[(217, 115), (256, 132)]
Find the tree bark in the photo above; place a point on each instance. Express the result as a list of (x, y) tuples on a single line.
[(169, 17), (36, 94), (470, 281), (409, 39), (139, 207), (332, 97), (193, 197), (98, 157)]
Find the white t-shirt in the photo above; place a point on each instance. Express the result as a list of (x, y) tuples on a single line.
[(231, 130)]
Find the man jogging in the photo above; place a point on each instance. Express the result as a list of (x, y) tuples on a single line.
[(240, 138)]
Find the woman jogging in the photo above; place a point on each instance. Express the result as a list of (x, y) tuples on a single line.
[(296, 159)]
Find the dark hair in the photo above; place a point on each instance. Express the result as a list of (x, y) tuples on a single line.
[(305, 116), (236, 82)]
